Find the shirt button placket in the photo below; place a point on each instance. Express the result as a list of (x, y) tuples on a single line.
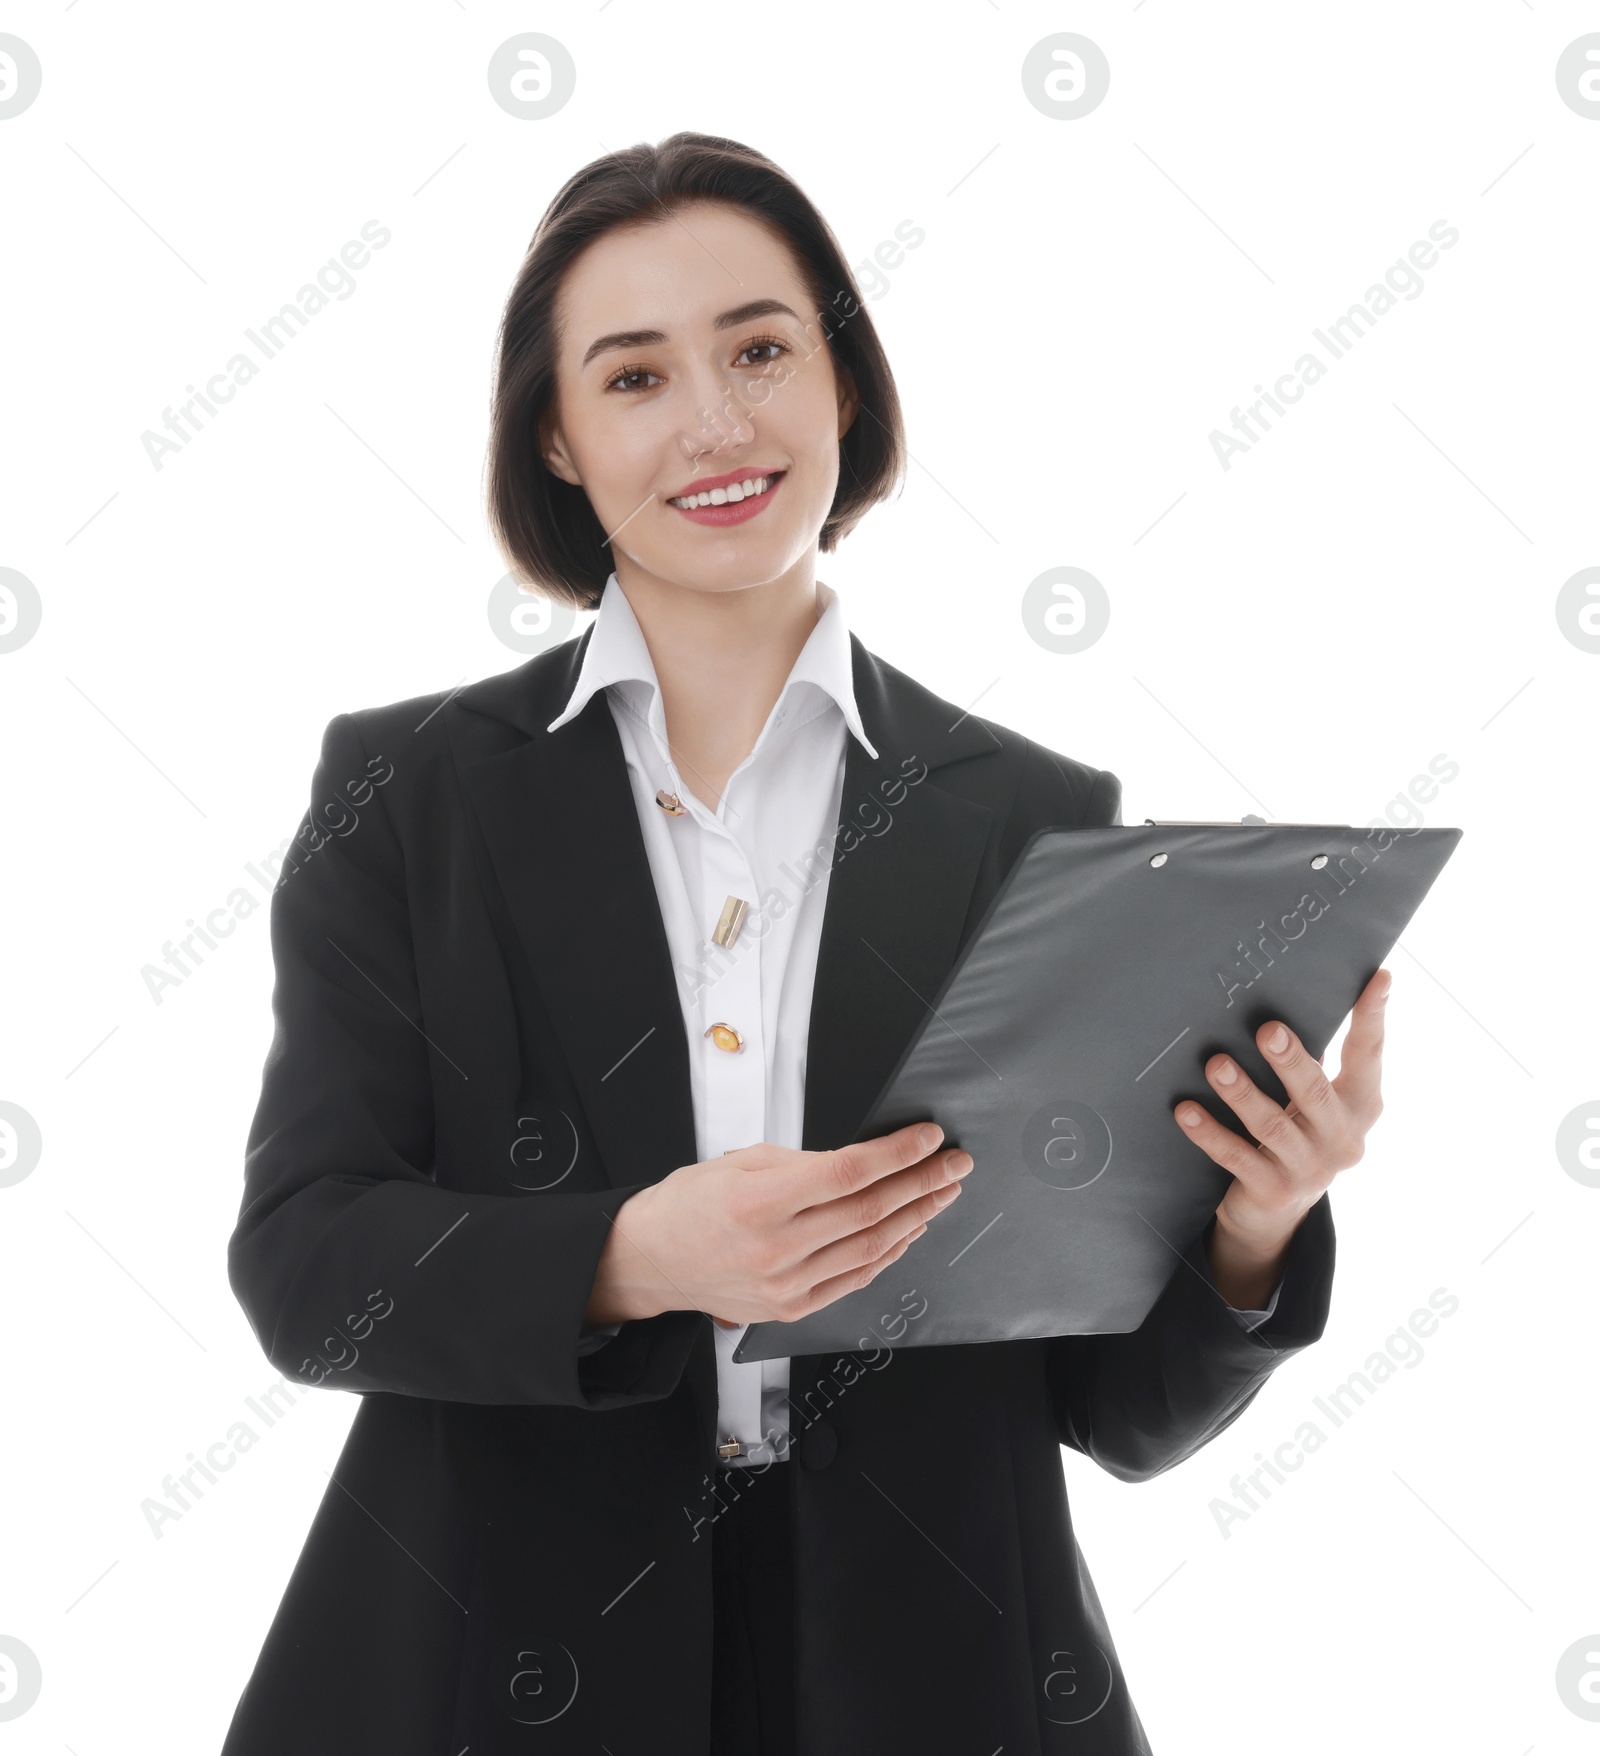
[(736, 1079)]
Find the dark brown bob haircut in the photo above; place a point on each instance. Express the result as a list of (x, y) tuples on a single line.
[(547, 527)]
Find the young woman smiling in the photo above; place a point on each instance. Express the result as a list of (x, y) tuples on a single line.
[(574, 1030)]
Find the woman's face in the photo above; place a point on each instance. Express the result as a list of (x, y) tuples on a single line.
[(690, 357)]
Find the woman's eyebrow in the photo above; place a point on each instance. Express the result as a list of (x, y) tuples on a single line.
[(643, 338)]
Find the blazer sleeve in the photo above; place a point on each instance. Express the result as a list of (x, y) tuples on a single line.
[(1140, 1402), (355, 1266)]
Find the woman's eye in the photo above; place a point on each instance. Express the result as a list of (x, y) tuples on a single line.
[(622, 378), (754, 346)]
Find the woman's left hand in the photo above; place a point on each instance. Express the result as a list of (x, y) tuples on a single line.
[(1301, 1149)]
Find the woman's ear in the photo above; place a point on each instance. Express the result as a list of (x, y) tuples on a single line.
[(553, 449), (849, 401)]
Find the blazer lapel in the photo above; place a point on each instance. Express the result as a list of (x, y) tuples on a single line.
[(907, 860), (557, 813)]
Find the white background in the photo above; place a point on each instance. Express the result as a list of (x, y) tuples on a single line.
[(1373, 584)]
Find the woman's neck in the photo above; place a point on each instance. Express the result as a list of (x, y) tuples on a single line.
[(722, 658)]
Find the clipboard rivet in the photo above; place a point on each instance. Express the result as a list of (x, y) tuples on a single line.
[(1318, 862), (1158, 860)]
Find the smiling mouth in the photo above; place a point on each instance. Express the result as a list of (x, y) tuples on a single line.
[(752, 488)]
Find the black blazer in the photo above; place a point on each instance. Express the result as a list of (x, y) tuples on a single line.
[(479, 1055)]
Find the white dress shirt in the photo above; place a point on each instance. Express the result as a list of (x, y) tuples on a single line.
[(761, 844)]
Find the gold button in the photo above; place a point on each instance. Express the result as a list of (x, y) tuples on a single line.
[(669, 802), (732, 919), (725, 1037)]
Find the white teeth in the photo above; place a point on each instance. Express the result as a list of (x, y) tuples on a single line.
[(730, 495)]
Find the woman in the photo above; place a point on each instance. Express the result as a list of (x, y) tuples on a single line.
[(586, 977)]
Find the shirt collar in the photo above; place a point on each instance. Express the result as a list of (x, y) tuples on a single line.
[(617, 654)]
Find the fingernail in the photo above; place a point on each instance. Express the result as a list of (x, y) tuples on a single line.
[(928, 1138), (946, 1196), (1189, 1118), (960, 1163), (1278, 1041), (1227, 1073)]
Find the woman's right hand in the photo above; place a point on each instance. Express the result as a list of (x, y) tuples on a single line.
[(772, 1233)]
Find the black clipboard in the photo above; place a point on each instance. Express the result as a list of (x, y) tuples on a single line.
[(1111, 964)]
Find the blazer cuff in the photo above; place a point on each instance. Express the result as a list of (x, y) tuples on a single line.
[(643, 1362), (1254, 1319), (636, 1361), (1298, 1310)]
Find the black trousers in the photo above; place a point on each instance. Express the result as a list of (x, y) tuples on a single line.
[(752, 1658)]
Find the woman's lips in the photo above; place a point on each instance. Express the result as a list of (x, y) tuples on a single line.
[(734, 511)]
